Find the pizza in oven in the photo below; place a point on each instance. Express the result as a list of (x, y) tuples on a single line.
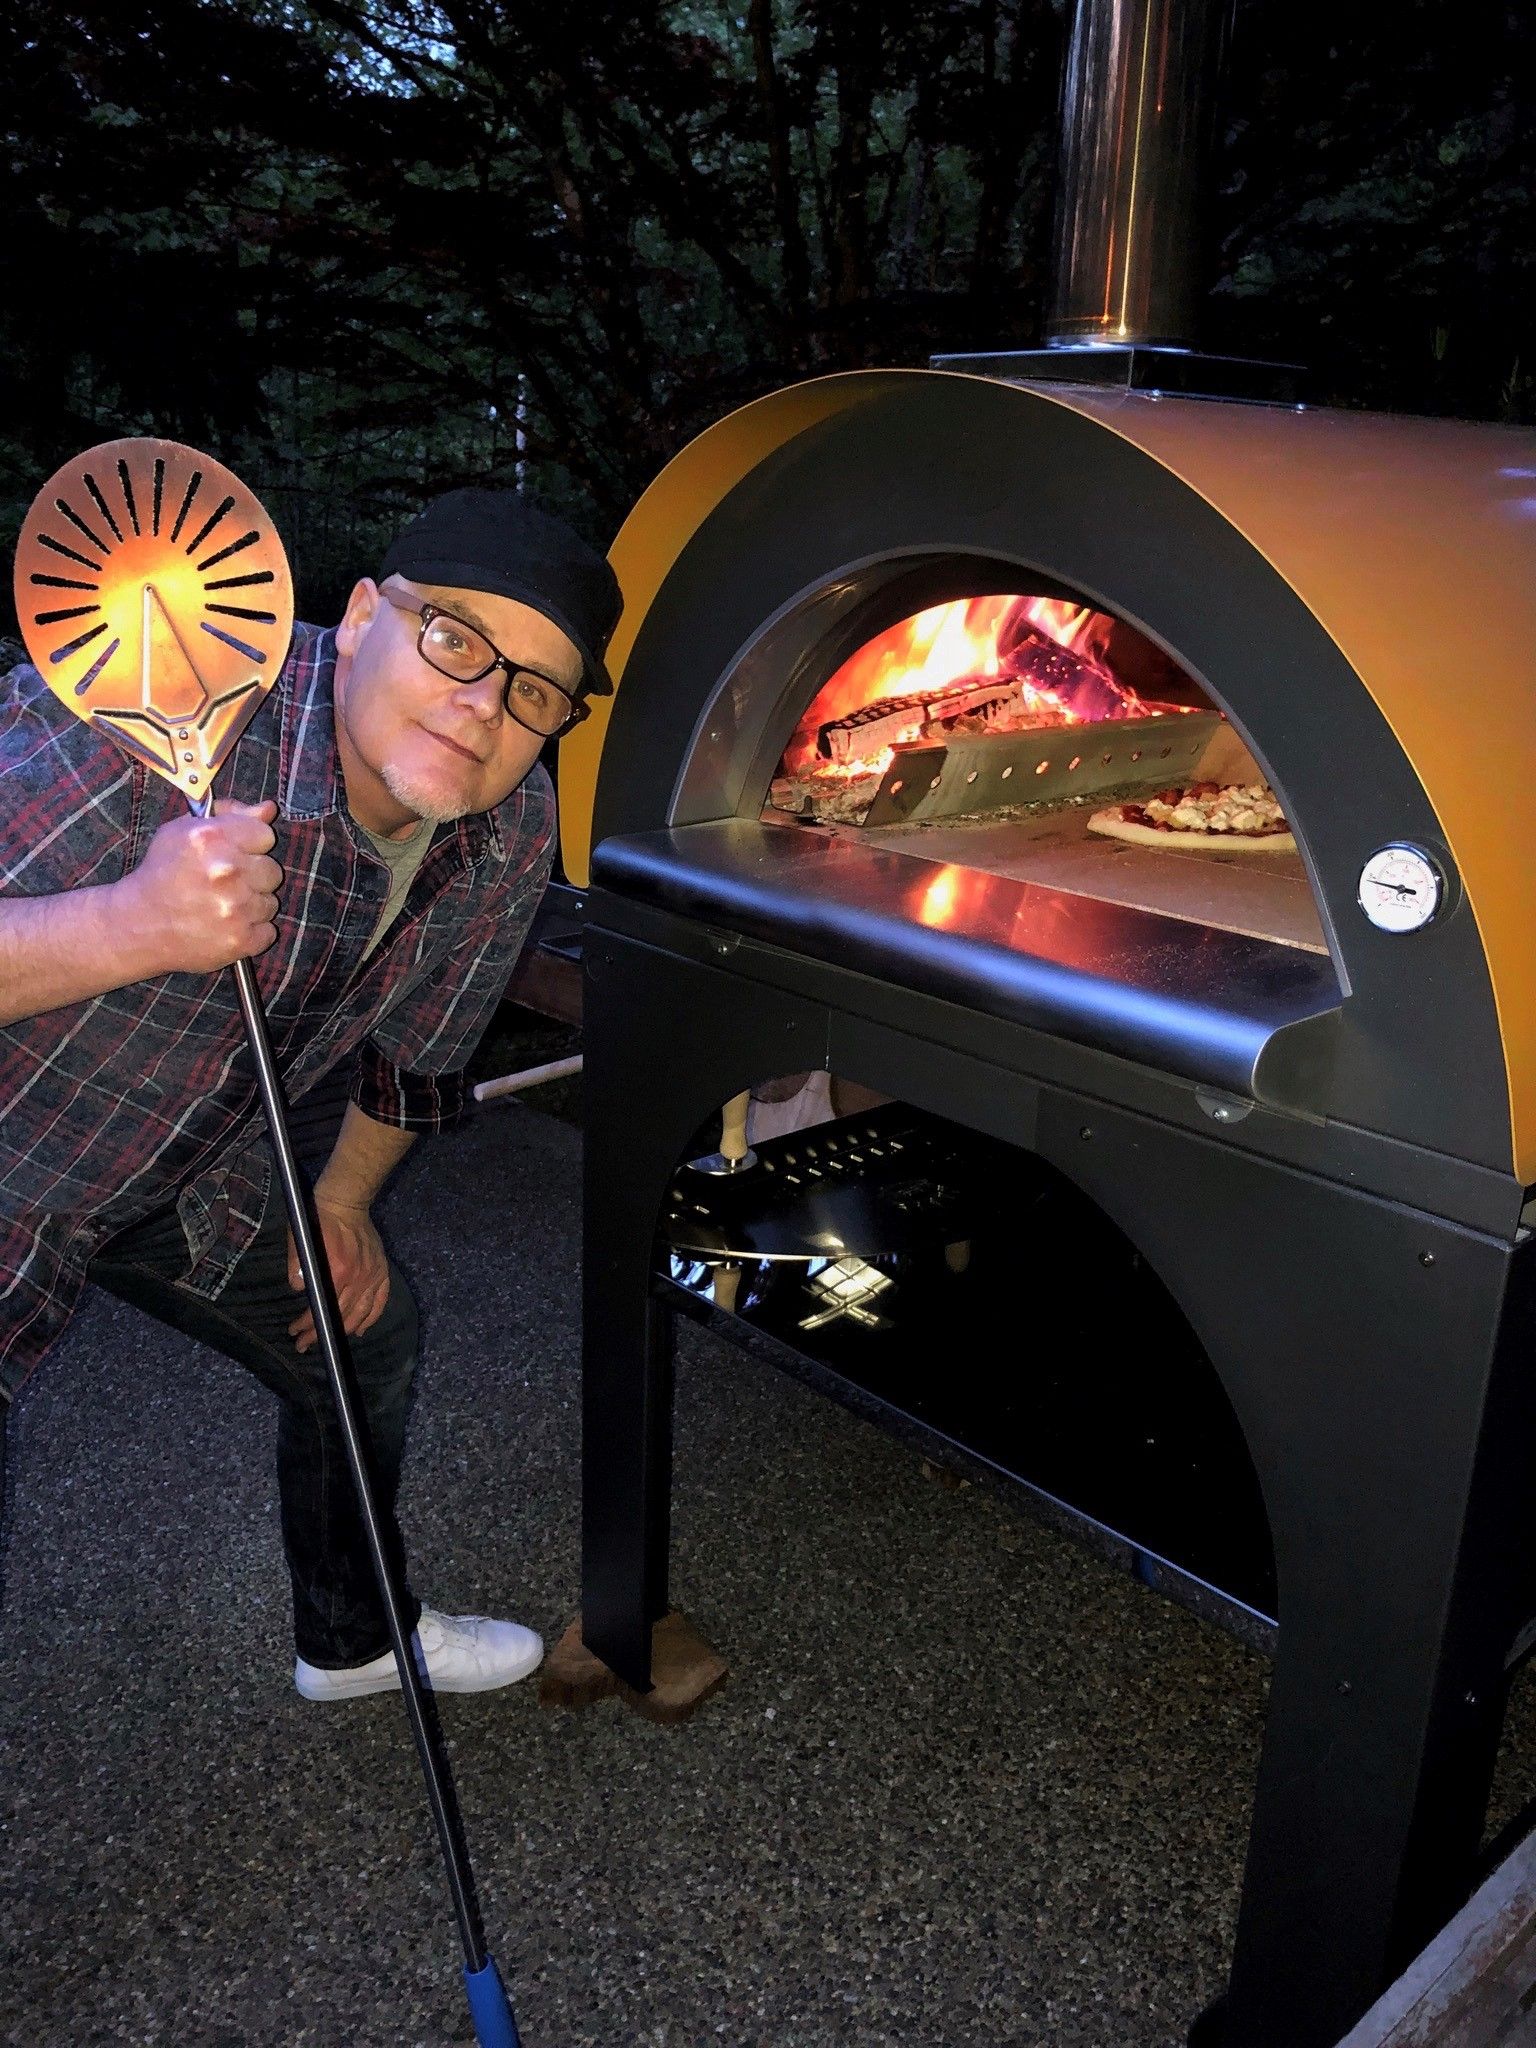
[(1230, 817)]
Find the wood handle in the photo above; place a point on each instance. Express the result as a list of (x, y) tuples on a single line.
[(530, 1077), (733, 1126)]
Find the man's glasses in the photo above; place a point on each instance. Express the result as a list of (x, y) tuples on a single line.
[(462, 652)]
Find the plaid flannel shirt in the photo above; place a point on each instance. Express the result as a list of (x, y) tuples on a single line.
[(113, 1108)]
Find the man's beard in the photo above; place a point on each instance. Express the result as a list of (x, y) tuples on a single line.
[(419, 798)]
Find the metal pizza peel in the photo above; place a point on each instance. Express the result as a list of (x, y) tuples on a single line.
[(155, 598)]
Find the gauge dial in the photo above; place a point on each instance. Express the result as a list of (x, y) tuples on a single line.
[(1400, 889)]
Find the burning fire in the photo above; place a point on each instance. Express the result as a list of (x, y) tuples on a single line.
[(972, 641)]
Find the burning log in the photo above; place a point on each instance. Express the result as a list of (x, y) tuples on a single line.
[(829, 799), (865, 733), (975, 673), (1051, 685), (1041, 683)]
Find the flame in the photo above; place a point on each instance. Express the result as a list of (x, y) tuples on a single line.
[(970, 638)]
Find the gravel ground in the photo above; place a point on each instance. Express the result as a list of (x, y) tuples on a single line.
[(967, 1786)]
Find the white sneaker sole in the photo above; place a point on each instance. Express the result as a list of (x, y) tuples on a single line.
[(313, 1683)]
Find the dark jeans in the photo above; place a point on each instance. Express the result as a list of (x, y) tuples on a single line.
[(338, 1618)]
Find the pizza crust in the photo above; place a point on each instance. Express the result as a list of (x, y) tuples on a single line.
[(1113, 826)]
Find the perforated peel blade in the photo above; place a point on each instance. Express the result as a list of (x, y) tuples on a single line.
[(155, 598)]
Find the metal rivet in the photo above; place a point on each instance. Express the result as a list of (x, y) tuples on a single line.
[(183, 734), (191, 778), (1426, 1258), (1086, 1131), (189, 757), (1345, 1687)]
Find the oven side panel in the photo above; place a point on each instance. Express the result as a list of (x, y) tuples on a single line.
[(1413, 543)]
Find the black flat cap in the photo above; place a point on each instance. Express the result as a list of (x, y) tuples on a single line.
[(501, 542)]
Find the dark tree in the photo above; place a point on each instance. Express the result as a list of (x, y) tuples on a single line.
[(364, 249)]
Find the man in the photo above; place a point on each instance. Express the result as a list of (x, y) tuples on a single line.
[(383, 837)]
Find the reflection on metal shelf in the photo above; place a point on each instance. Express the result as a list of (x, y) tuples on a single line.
[(846, 1287)]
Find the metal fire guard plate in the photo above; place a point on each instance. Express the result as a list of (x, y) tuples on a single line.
[(1048, 765)]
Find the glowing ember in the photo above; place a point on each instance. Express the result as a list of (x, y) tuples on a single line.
[(1043, 655)]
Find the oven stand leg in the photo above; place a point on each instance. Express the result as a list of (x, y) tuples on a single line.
[(633, 1139), (626, 1464), (666, 1041), (1378, 1362), (1399, 1585)]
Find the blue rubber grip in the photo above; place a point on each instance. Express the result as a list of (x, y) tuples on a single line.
[(488, 2008)]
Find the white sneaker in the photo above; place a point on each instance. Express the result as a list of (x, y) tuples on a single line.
[(454, 1653)]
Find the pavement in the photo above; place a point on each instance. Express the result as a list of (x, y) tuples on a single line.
[(968, 1786)]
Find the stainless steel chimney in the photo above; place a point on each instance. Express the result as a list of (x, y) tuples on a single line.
[(1138, 122), (1138, 118)]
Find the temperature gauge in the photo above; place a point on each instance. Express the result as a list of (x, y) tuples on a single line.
[(1400, 889)]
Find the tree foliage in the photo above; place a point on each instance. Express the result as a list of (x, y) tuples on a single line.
[(364, 249)]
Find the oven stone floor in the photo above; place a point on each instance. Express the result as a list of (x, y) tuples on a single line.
[(1263, 895), (968, 1787)]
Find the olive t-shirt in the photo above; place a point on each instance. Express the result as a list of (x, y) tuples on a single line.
[(402, 857)]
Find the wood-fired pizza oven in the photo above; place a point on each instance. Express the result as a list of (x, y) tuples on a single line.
[(1349, 597), (1313, 1118)]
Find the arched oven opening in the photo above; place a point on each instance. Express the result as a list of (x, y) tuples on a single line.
[(980, 717)]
